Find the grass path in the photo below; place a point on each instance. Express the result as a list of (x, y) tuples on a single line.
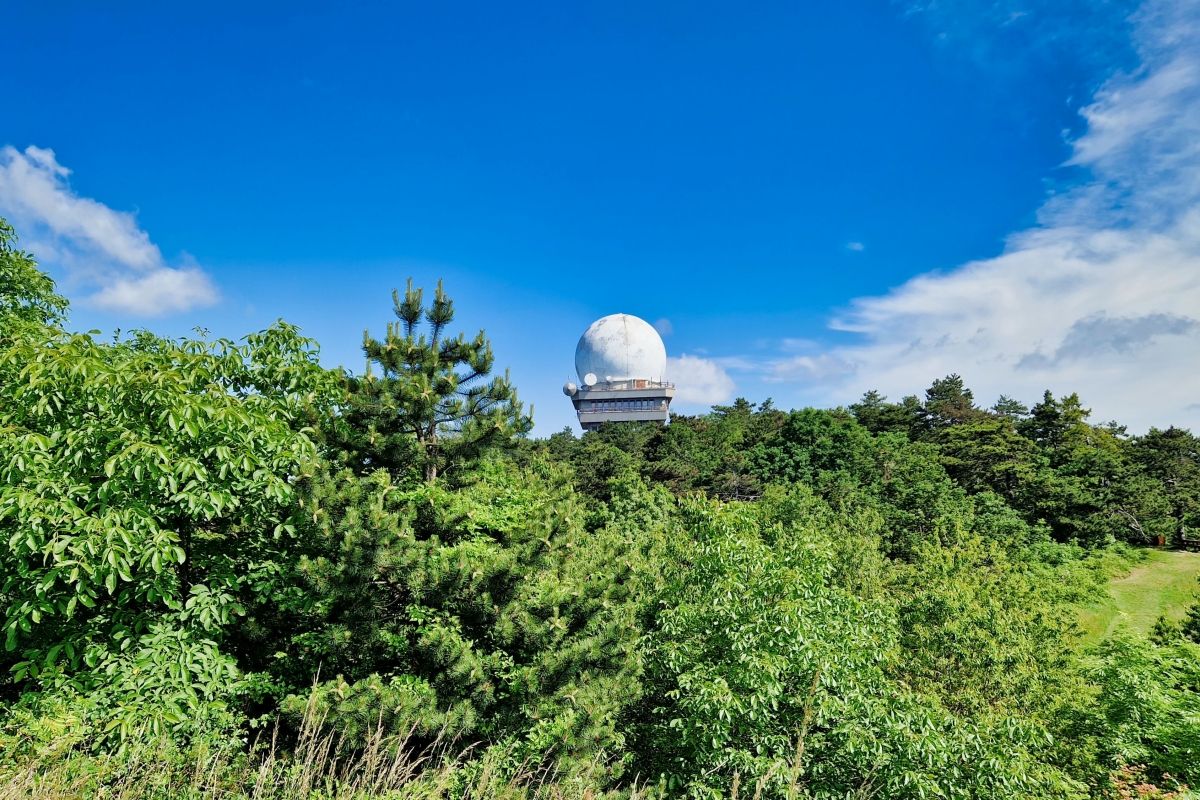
[(1165, 583)]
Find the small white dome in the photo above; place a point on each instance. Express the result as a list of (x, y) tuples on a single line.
[(620, 347), (569, 389)]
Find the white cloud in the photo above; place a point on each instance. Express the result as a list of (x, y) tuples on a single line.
[(1102, 297), (699, 381), (816, 367), (96, 250), (857, 247), (161, 291)]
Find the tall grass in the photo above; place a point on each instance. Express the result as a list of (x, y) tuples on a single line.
[(320, 765)]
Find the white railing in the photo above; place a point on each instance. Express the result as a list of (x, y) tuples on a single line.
[(633, 383)]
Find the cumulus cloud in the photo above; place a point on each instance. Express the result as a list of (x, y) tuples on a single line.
[(97, 251), (1101, 297), (160, 291), (699, 381)]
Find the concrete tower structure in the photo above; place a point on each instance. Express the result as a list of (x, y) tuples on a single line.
[(621, 362)]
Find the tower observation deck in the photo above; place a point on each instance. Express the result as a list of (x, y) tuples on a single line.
[(621, 361)]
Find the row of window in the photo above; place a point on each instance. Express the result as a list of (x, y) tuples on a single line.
[(623, 405)]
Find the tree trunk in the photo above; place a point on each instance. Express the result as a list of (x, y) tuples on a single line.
[(430, 447)]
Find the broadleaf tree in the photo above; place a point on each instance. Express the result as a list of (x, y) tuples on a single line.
[(146, 493), (27, 295)]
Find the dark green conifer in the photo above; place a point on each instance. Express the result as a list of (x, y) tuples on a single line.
[(428, 401)]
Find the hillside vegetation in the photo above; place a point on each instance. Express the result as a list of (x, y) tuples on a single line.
[(1163, 586), (232, 573)]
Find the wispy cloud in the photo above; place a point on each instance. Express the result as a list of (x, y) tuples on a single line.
[(856, 247), (99, 252), (699, 381), (1029, 35), (1100, 297), (820, 367)]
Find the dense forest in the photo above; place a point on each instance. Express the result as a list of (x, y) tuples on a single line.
[(231, 572)]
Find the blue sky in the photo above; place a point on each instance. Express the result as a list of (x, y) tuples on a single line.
[(811, 199)]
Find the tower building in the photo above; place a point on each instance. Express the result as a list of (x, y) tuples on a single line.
[(621, 362)]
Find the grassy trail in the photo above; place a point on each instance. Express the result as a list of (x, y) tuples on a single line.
[(1165, 583)]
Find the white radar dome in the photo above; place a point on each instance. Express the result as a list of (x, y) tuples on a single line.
[(620, 347)]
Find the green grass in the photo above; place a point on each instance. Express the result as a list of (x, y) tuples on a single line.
[(1164, 583)]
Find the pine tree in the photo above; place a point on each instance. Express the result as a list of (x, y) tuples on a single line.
[(1056, 424), (948, 402), (432, 405), (877, 415), (1172, 456), (1010, 408)]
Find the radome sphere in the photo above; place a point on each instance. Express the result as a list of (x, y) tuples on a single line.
[(620, 347)]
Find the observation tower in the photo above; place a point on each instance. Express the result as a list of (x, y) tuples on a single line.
[(621, 362)]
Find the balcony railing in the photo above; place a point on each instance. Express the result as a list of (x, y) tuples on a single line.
[(634, 383)]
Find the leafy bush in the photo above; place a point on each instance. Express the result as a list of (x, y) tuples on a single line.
[(146, 491), (763, 670)]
